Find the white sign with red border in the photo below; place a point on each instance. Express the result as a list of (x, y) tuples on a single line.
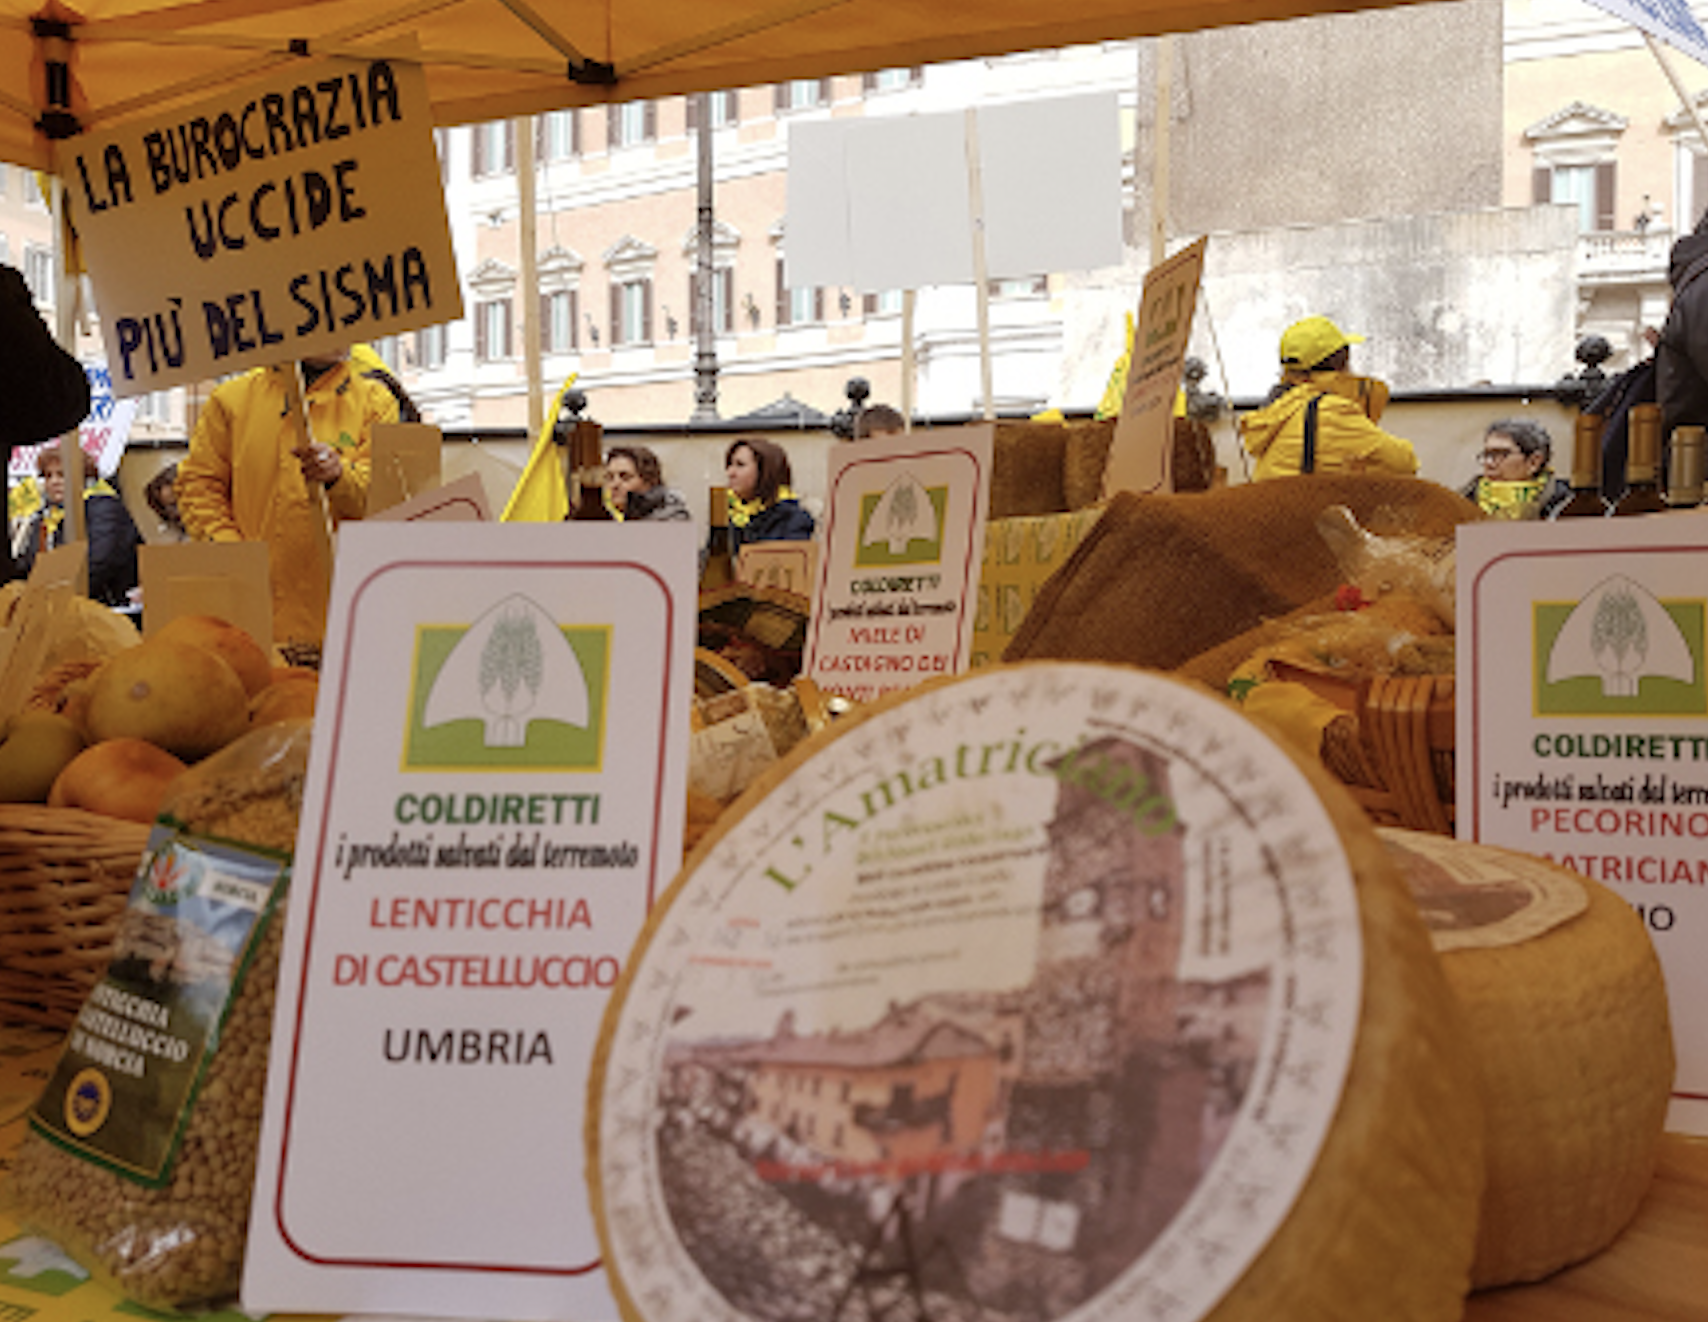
[(494, 802), (903, 537), (1582, 710)]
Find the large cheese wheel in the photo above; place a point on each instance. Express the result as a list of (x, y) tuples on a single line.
[(1566, 1010), (1056, 991)]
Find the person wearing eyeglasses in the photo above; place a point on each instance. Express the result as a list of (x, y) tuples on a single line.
[(1516, 481)]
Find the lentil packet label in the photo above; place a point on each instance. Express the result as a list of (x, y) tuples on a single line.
[(134, 1059)]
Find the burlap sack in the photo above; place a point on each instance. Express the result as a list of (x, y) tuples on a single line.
[(1026, 469), (1161, 579)]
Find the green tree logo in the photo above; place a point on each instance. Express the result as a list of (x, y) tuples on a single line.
[(1619, 650)]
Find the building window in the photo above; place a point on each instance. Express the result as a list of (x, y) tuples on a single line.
[(430, 348), (558, 317), (723, 301), (1589, 188), (631, 312), (884, 304), (493, 148), (632, 123), (1028, 287), (802, 94), (893, 80), (442, 146), (492, 330), (798, 306), (558, 135), (5, 180), (726, 112), (38, 274), (386, 349)]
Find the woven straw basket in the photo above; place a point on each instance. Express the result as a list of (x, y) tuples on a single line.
[(1394, 747), (64, 879)]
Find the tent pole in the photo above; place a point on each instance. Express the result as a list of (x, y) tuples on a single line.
[(909, 364), (1159, 163), (528, 279), (65, 331), (981, 272)]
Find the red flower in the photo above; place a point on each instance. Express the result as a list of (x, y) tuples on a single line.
[(1349, 597)]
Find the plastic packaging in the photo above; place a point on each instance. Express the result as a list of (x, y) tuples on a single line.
[(140, 1161)]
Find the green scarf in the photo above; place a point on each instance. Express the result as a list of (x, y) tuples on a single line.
[(1508, 500)]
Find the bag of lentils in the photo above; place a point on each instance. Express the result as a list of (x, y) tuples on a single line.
[(140, 1160)]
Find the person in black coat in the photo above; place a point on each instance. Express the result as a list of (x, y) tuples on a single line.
[(1681, 357), (761, 506), (111, 533), (44, 388)]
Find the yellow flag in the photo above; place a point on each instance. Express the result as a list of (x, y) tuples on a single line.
[(541, 494), (1115, 393)]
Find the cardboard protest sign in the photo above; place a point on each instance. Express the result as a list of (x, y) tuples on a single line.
[(902, 537), (785, 565), (1141, 455), (1582, 693), (405, 463), (462, 501), (494, 801), (232, 580), (281, 218)]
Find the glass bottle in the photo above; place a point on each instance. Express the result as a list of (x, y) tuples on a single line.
[(1684, 468), (587, 463), (1642, 465), (1585, 501), (719, 569)]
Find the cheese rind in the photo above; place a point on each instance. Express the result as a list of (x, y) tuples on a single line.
[(1573, 1049)]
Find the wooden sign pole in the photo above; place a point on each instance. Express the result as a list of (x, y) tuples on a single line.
[(320, 518)]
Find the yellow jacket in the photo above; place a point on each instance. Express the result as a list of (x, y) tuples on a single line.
[(1348, 439), (242, 483)]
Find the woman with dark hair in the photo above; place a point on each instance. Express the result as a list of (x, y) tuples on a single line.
[(634, 486), (1516, 481), (761, 506)]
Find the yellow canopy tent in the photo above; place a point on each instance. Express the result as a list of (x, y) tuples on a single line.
[(487, 59)]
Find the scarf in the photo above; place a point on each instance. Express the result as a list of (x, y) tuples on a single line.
[(1508, 500), (742, 512), (54, 515)]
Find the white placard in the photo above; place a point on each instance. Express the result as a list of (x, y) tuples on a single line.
[(494, 802), (903, 537), (284, 217), (1583, 727), (885, 204)]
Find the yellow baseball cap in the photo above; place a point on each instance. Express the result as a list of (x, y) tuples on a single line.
[(1306, 343)]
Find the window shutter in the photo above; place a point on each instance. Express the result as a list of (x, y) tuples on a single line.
[(726, 279), (480, 315), (818, 303), (646, 312), (540, 141), (509, 328), (508, 138), (1605, 219), (477, 150), (1541, 184), (693, 108), (613, 120), (1698, 192), (916, 74), (574, 320), (574, 131), (782, 296), (650, 132), (546, 345), (824, 91), (780, 97), (732, 107), (616, 315), (868, 305), (868, 82)]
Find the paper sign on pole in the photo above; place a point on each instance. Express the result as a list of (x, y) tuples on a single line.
[(1142, 453), (494, 801), (284, 217), (232, 580), (1669, 20), (102, 435), (785, 565), (902, 539), (1582, 731)]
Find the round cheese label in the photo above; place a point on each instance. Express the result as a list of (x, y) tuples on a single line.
[(1480, 897), (1031, 996)]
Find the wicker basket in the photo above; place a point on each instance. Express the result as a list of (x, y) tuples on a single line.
[(1394, 747), (64, 879)]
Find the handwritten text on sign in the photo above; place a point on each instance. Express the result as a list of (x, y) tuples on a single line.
[(282, 219)]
